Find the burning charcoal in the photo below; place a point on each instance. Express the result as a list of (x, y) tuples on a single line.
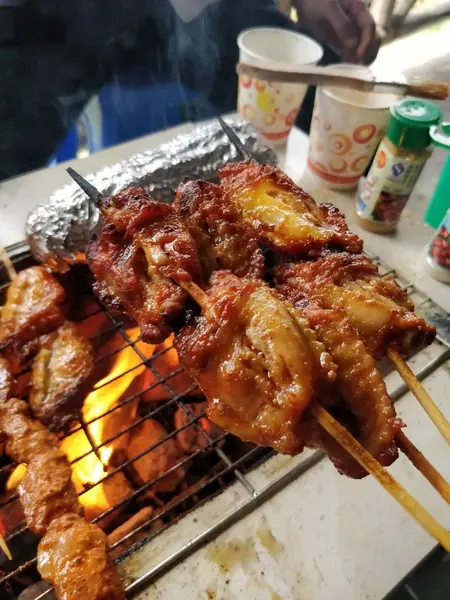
[(192, 438), (104, 496), (34, 591), (156, 462), (164, 363), (140, 518)]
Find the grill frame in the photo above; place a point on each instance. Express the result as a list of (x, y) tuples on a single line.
[(424, 305)]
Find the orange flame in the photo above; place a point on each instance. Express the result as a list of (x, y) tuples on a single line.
[(89, 470), (106, 393)]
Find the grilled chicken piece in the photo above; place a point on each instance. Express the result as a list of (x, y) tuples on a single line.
[(32, 308), (377, 308), (73, 554), (281, 214), (359, 383), (317, 438), (256, 360), (60, 371), (46, 491), (223, 240), (6, 381), (142, 247)]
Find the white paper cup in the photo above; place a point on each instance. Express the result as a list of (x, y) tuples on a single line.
[(273, 107), (346, 128)]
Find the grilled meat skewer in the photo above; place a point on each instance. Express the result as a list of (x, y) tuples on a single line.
[(59, 375), (142, 247), (281, 214), (377, 308), (224, 240), (72, 554), (32, 308), (256, 360)]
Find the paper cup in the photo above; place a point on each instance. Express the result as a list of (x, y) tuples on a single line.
[(273, 107), (346, 128)]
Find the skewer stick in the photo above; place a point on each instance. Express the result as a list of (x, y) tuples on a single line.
[(91, 192), (4, 547), (366, 460), (10, 268), (420, 393), (3, 544), (196, 293), (423, 465)]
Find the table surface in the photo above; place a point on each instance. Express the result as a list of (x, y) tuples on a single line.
[(332, 537)]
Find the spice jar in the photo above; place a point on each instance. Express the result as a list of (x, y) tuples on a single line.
[(398, 162), (438, 252)]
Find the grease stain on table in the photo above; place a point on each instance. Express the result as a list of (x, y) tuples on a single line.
[(269, 541), (232, 554)]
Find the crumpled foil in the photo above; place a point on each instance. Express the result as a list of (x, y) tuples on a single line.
[(59, 230)]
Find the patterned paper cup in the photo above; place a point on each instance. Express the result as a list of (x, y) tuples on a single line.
[(346, 129), (273, 107)]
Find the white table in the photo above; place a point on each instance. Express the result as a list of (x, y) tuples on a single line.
[(335, 538)]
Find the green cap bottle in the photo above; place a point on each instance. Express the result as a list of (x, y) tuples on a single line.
[(440, 201), (410, 122)]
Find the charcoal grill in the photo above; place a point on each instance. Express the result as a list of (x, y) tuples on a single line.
[(222, 461)]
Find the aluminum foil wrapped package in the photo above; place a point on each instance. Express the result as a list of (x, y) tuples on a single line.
[(59, 230)]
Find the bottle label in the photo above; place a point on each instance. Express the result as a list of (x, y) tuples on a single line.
[(439, 247), (389, 184)]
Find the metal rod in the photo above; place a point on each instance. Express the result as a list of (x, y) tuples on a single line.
[(227, 521), (242, 151), (91, 192)]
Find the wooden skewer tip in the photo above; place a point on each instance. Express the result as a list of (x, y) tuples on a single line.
[(423, 465), (420, 393), (10, 268), (366, 460), (4, 547)]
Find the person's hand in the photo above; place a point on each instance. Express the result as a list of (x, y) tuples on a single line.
[(346, 26)]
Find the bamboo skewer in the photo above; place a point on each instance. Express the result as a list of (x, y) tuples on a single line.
[(423, 465), (420, 393), (4, 547), (10, 269), (366, 460)]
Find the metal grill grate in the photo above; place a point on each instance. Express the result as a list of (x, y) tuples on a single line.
[(222, 461), (218, 461)]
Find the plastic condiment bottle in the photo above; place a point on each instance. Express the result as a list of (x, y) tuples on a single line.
[(438, 252), (440, 201), (397, 165)]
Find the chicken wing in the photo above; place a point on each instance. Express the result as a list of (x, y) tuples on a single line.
[(377, 308), (60, 370), (32, 308), (360, 384), (223, 240), (281, 214), (135, 259), (256, 360)]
